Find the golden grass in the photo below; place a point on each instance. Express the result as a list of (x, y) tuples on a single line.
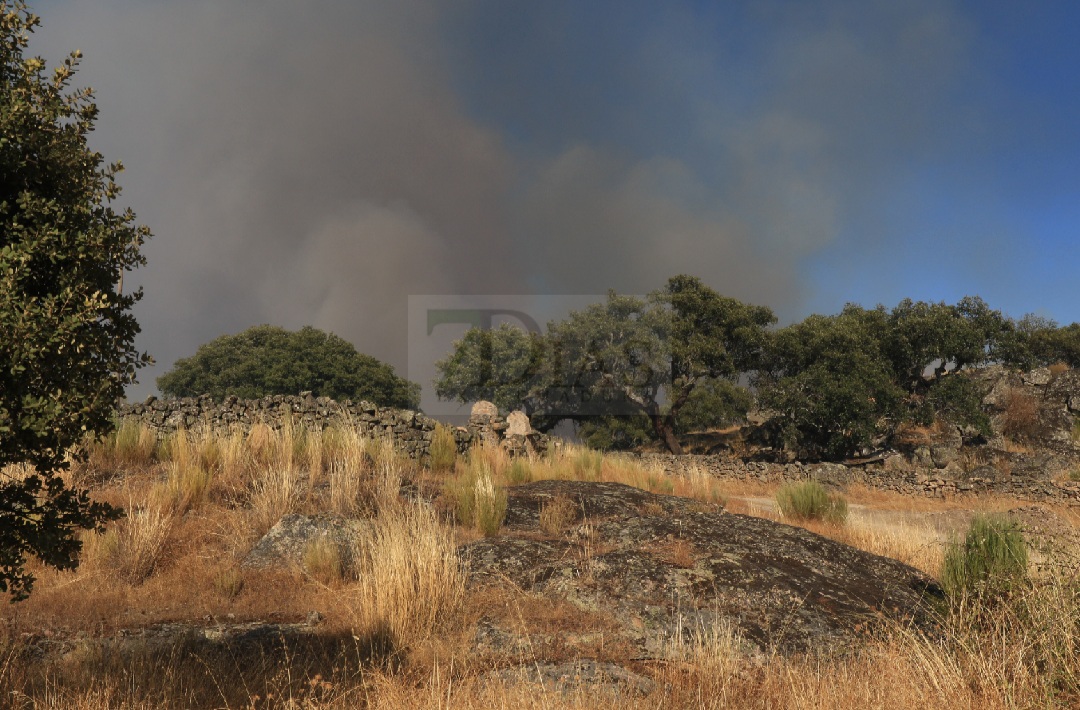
[(476, 498), (176, 559), (557, 514), (410, 580), (324, 561), (132, 548)]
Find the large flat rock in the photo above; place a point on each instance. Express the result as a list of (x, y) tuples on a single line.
[(660, 567)]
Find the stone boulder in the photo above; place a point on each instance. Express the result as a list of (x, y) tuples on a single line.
[(285, 543), (517, 424), (658, 568), (483, 411)]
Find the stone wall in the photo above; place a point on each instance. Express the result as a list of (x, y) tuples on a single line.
[(410, 431), (892, 473)]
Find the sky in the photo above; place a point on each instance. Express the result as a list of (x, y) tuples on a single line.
[(318, 163)]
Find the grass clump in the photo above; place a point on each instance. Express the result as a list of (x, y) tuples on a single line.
[(519, 472), (130, 445), (185, 488), (990, 560), (477, 501), (410, 579), (557, 514), (1020, 418), (810, 501), (587, 464), (132, 548), (324, 561), (228, 583), (443, 450)]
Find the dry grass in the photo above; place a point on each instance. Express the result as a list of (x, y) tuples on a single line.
[(396, 623), (410, 578), (324, 561), (477, 500), (1020, 416), (557, 514), (132, 548)]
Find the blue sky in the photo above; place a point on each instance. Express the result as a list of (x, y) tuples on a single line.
[(318, 166)]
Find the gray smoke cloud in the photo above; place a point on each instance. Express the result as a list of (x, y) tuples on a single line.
[(317, 163)]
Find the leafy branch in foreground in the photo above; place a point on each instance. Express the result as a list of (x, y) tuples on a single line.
[(67, 349)]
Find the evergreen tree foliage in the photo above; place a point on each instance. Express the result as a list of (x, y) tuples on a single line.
[(66, 329), (267, 360)]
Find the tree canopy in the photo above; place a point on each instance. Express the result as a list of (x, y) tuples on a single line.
[(67, 349), (830, 381), (622, 357), (632, 370), (268, 360)]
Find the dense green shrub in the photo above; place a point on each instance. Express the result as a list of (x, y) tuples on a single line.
[(714, 403), (810, 501), (958, 400), (991, 559), (267, 360)]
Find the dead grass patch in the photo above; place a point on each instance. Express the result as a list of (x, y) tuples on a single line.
[(675, 551), (557, 514), (1020, 416), (409, 576)]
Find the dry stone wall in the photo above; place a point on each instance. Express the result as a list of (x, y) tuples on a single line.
[(410, 431), (893, 473)]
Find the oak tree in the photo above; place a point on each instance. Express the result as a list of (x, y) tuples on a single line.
[(66, 328)]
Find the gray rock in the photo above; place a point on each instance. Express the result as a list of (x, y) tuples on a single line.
[(998, 393), (286, 542), (945, 446), (1038, 377), (484, 411), (517, 424), (661, 566)]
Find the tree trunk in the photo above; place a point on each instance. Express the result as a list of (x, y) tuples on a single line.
[(666, 433)]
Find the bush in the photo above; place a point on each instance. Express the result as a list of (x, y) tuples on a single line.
[(810, 501), (991, 559), (267, 360), (443, 449), (958, 400)]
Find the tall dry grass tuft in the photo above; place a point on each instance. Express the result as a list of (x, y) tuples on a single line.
[(477, 499), (131, 548), (585, 464), (130, 446), (443, 450), (520, 471), (325, 561), (277, 493), (1020, 417), (717, 652), (390, 471), (557, 514), (410, 579), (258, 444), (184, 489)]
